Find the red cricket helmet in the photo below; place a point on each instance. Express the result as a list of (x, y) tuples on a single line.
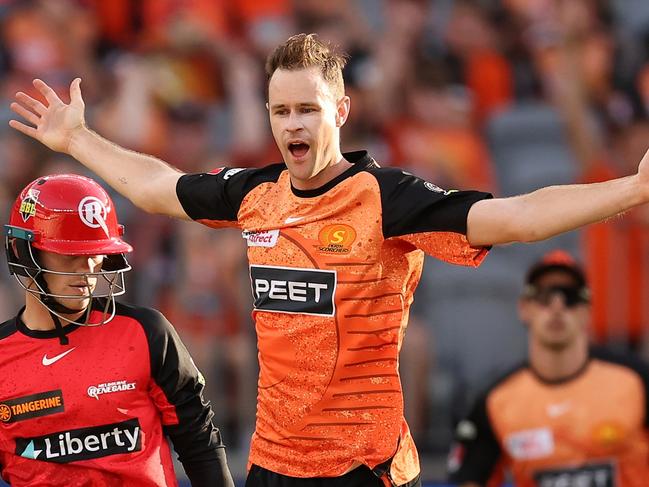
[(71, 215), (68, 214)]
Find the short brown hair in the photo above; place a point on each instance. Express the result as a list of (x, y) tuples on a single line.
[(305, 51)]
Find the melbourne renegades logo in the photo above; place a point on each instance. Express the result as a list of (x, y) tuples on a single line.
[(93, 213)]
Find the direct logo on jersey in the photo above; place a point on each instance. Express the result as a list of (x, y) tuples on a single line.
[(83, 443), (32, 406), (110, 387), (530, 444), (601, 475), (293, 290), (336, 239), (28, 204), (267, 238), (92, 212)]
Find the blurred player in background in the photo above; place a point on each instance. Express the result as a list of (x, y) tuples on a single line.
[(336, 246), (569, 417), (91, 388)]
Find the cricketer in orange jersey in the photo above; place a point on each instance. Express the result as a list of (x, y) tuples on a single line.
[(333, 271), (324, 229), (570, 417)]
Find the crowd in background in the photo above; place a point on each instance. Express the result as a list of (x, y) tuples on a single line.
[(497, 95)]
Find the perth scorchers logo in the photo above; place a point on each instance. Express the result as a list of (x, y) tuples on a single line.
[(336, 239), (609, 434)]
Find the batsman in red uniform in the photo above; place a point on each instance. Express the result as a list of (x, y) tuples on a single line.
[(91, 388)]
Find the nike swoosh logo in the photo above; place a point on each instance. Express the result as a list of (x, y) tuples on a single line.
[(50, 361), (293, 219), (555, 410)]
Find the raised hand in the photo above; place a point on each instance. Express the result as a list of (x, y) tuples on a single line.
[(54, 123)]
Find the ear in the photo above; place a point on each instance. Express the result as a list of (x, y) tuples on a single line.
[(267, 106), (342, 110)]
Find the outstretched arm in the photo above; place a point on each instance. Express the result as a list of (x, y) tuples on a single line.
[(556, 209), (145, 180)]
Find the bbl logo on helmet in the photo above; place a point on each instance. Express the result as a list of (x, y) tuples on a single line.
[(28, 204), (93, 213)]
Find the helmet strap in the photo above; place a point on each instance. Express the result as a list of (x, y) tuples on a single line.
[(54, 307), (50, 301)]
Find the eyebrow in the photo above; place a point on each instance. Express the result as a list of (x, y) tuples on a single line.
[(303, 104)]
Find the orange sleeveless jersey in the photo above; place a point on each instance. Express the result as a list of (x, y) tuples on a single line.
[(333, 272), (587, 431)]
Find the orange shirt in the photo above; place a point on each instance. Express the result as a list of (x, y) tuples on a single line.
[(333, 272), (589, 430)]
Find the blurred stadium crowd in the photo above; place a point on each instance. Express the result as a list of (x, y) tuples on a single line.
[(497, 95)]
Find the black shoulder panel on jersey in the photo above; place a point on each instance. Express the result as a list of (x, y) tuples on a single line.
[(8, 328), (479, 448), (412, 205), (195, 439), (218, 195), (632, 362), (474, 435)]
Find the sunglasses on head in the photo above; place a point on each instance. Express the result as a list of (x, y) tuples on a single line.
[(571, 295)]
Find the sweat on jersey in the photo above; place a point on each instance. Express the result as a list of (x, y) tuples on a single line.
[(333, 271), (96, 411), (590, 430)]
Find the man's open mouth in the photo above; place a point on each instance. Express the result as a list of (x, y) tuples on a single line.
[(298, 149)]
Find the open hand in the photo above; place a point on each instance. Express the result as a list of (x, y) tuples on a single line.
[(55, 123)]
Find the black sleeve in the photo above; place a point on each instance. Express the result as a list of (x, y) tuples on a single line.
[(476, 451), (196, 440), (412, 205), (217, 196)]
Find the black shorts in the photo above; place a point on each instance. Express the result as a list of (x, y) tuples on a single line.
[(359, 477)]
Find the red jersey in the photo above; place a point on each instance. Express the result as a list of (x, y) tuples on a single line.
[(333, 271), (97, 411)]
